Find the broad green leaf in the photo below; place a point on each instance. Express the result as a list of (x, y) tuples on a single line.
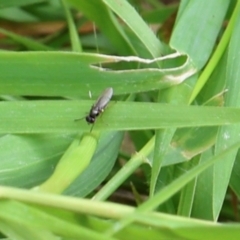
[(219, 51), (34, 157), (189, 40), (229, 134), (59, 116), (27, 160), (74, 75)]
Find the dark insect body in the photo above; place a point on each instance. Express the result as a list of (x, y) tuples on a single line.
[(99, 106)]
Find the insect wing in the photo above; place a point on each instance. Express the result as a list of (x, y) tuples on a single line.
[(104, 98)]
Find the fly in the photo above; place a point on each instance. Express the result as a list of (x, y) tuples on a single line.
[(99, 106)]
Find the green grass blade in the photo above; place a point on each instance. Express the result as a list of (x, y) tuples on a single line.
[(74, 161), (170, 190), (75, 74), (59, 116), (189, 39), (75, 42), (16, 212), (27, 42), (107, 22), (228, 134), (129, 15), (217, 54), (124, 173), (100, 165), (18, 3), (23, 232)]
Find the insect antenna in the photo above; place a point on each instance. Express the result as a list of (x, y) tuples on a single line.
[(78, 119)]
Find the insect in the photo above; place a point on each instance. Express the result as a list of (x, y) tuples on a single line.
[(99, 106)]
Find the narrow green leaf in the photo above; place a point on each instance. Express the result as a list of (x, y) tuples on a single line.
[(124, 173), (16, 3), (76, 45), (170, 190), (129, 15), (100, 165), (107, 22), (24, 232), (16, 212), (27, 42), (203, 197), (217, 54), (214, 232), (228, 135), (58, 116), (74, 161), (189, 40), (75, 74)]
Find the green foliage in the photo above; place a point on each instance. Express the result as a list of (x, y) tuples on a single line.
[(184, 88)]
